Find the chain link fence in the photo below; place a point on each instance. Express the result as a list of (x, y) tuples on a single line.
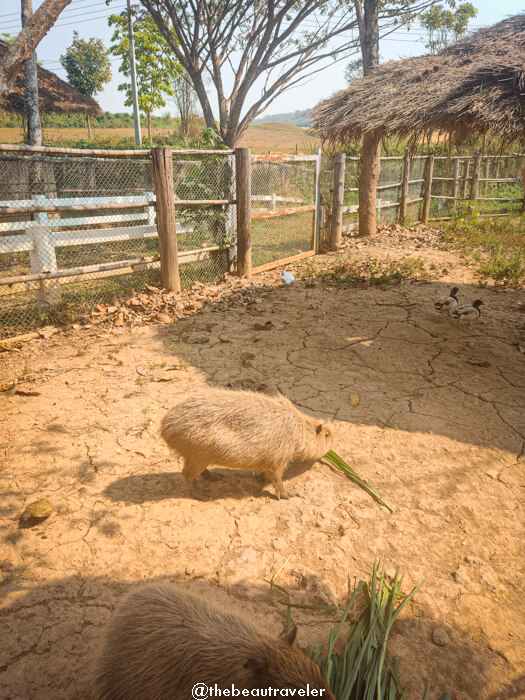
[(283, 207), (90, 251)]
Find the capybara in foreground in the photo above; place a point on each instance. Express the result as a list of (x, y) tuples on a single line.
[(242, 430), (163, 641)]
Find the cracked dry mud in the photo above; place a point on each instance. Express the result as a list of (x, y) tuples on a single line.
[(439, 429)]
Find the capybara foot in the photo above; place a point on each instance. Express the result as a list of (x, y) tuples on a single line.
[(211, 476), (197, 493), (287, 494)]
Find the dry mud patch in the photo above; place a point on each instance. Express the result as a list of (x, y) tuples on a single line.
[(439, 428)]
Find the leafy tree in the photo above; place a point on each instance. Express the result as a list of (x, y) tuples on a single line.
[(445, 26), (156, 67), (87, 66)]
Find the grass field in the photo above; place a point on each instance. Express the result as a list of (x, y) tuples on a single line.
[(271, 136)]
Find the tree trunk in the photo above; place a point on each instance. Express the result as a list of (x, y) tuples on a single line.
[(149, 128), (367, 12), (369, 170), (88, 120), (34, 127)]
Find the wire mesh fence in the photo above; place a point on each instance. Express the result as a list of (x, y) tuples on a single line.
[(204, 177), (283, 208), (60, 263)]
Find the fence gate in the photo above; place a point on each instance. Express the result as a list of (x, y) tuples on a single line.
[(285, 200)]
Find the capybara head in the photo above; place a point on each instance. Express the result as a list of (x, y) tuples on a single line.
[(286, 666), (319, 439)]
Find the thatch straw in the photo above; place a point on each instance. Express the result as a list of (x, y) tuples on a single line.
[(54, 95), (474, 85)]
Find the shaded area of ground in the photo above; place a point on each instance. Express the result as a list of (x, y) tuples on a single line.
[(439, 428)]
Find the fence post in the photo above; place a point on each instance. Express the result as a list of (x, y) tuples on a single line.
[(474, 183), (317, 199), (456, 183), (523, 183), (162, 159), (43, 259), (338, 194), (466, 178), (427, 188), (404, 186), (243, 173)]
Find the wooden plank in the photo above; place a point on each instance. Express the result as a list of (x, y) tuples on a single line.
[(282, 212), (18, 148), (284, 261), (456, 182), (243, 174), (41, 208), (162, 159)]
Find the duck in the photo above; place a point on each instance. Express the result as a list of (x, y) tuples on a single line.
[(447, 303), (468, 313)]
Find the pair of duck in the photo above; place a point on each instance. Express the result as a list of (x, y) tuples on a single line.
[(461, 313)]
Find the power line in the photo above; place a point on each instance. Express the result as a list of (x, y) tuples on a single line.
[(59, 24)]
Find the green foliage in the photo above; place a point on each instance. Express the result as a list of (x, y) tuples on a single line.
[(87, 65), (155, 64), (354, 70), (444, 26), (496, 243), (8, 38)]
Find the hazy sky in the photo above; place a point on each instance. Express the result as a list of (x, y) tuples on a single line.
[(89, 18)]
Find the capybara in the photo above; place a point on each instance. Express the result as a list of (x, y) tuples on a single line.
[(242, 430), (163, 641)]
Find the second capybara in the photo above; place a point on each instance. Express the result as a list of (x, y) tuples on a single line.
[(163, 642), (242, 430)]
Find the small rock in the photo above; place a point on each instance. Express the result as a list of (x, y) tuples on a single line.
[(440, 637), (354, 400), (493, 473), (473, 560), (460, 576), (38, 509)]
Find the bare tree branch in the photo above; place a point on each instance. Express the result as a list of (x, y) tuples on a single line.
[(26, 42)]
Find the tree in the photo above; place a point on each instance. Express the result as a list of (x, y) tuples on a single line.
[(156, 66), (31, 106), (87, 66), (26, 42), (444, 26), (186, 101), (269, 46)]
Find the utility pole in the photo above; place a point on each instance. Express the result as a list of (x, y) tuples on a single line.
[(134, 96), (135, 99), (34, 126)]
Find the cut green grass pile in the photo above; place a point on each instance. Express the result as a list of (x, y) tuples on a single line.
[(362, 668)]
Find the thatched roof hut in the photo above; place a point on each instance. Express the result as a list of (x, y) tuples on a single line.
[(474, 85), (54, 95)]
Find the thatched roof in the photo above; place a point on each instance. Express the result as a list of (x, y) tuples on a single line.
[(474, 85), (54, 95)]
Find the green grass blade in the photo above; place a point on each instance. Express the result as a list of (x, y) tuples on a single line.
[(333, 458)]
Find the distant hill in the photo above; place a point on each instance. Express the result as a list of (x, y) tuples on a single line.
[(279, 138), (297, 118)]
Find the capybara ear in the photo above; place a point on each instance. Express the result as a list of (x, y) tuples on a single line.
[(257, 664), (319, 428), (289, 637)]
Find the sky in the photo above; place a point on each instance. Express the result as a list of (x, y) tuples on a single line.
[(89, 18)]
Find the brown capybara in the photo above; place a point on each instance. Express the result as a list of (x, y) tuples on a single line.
[(163, 641), (242, 430)]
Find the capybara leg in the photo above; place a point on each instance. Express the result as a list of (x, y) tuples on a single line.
[(211, 476), (190, 472), (277, 481)]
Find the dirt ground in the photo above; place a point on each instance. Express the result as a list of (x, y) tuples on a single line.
[(439, 428)]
